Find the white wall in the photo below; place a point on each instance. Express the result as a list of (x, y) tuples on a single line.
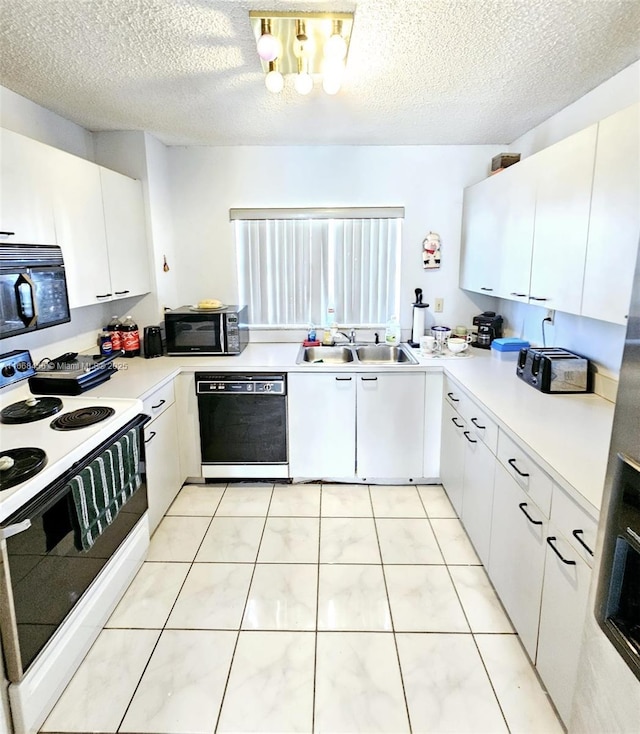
[(428, 181)]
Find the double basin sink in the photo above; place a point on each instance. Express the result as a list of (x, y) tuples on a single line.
[(354, 354)]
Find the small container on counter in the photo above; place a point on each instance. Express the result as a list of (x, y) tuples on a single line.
[(104, 342)]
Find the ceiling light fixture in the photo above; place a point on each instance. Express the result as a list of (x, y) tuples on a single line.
[(308, 46)]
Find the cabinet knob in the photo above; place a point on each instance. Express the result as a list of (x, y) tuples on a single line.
[(557, 552), (576, 535), (512, 462), (522, 505)]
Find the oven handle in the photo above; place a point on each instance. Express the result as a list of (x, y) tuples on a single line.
[(51, 494), (18, 527)]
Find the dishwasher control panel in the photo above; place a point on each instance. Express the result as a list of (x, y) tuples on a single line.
[(260, 384)]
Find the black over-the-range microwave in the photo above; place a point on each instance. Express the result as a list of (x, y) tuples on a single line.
[(190, 330)]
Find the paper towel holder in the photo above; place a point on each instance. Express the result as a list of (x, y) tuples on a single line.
[(418, 319)]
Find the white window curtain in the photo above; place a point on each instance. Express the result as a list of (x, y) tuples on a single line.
[(291, 270)]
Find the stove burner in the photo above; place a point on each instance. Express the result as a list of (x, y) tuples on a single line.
[(81, 418), (18, 465), (31, 409)]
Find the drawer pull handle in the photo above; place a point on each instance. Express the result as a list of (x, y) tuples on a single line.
[(121, 293), (7, 234), (518, 295), (470, 440), (105, 295), (533, 298), (159, 405), (453, 400), (576, 535), (522, 505), (152, 435), (512, 462), (343, 379), (477, 425), (368, 379), (557, 552), (482, 288), (454, 420)]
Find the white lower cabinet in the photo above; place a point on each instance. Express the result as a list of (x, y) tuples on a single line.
[(322, 429), (479, 469), (564, 606), (517, 556), (452, 455), (356, 425), (162, 457), (390, 425)]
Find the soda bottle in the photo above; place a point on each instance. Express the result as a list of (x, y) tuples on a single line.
[(113, 327), (130, 337)]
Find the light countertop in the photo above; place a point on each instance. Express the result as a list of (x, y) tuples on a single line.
[(567, 434)]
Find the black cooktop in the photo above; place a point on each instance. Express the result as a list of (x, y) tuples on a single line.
[(18, 465), (31, 409), (82, 418)]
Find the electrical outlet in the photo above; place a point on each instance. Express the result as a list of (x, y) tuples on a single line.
[(438, 305), (550, 317)]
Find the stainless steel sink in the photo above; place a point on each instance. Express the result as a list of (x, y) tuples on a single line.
[(383, 354), (325, 355), (355, 354)]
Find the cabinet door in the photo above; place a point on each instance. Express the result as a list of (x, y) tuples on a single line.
[(322, 425), (480, 223), (26, 208), (390, 425), (80, 230), (516, 231), (452, 455), (162, 463), (477, 504), (516, 556), (563, 199), (564, 606), (614, 226), (126, 234)]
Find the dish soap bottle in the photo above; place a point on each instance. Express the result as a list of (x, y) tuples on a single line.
[(392, 333)]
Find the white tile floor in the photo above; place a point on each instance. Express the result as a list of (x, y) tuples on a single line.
[(307, 608)]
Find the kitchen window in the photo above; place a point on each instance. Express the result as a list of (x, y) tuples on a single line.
[(295, 264)]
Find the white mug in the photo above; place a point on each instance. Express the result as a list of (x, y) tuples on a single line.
[(457, 346), (427, 344)]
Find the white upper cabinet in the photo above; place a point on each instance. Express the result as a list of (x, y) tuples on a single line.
[(95, 215), (80, 228), (614, 226), (480, 223), (518, 206), (26, 208), (126, 234), (563, 199)]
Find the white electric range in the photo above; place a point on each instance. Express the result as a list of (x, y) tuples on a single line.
[(44, 643)]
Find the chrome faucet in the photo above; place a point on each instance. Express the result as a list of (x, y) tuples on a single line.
[(351, 336)]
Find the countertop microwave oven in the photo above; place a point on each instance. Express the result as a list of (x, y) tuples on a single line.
[(212, 332)]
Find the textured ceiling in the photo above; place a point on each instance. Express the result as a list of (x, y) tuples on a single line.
[(418, 71)]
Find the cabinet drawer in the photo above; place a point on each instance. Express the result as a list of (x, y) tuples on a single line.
[(480, 425), (575, 523), (156, 403), (526, 472), (456, 398)]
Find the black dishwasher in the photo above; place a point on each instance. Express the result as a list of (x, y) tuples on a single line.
[(243, 425)]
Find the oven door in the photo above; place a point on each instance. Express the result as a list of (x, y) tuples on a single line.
[(196, 333), (44, 573)]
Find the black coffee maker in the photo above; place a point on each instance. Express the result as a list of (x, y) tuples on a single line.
[(488, 327)]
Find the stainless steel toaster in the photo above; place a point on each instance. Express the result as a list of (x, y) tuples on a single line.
[(554, 370)]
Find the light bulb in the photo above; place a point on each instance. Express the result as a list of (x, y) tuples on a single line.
[(335, 47), (268, 47), (303, 83), (274, 82), (331, 83)]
